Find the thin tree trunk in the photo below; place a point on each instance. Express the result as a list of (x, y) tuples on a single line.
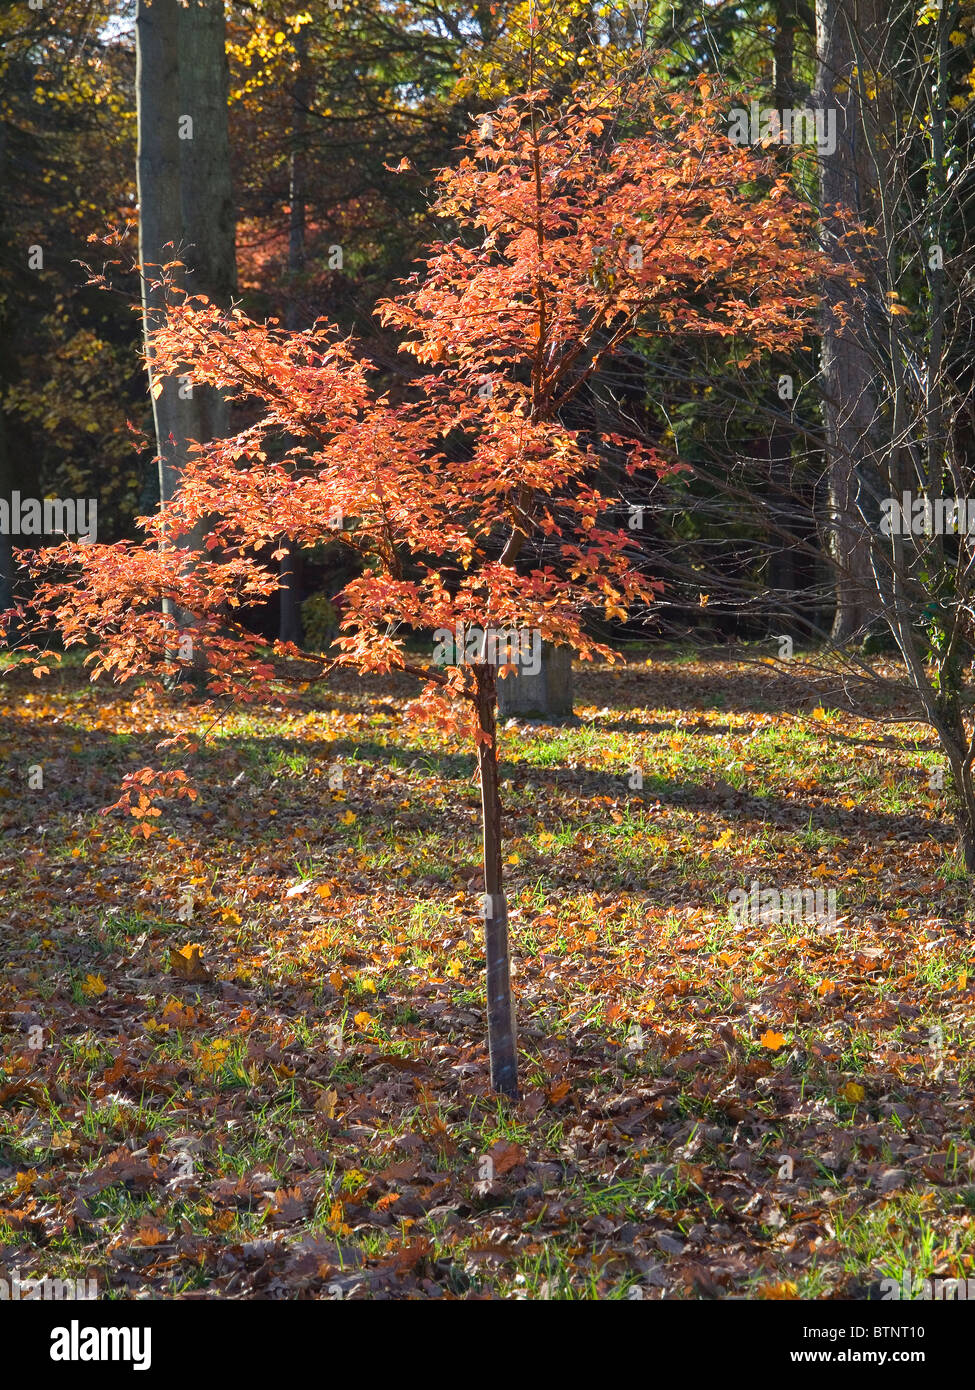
[(965, 790), (502, 1039), (966, 836), (957, 746)]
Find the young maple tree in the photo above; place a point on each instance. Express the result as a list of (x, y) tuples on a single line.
[(472, 505)]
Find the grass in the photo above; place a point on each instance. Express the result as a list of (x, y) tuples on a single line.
[(325, 1083)]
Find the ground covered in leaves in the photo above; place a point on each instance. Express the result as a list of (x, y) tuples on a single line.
[(246, 1058)]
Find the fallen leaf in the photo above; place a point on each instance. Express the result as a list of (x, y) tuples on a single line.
[(187, 963)]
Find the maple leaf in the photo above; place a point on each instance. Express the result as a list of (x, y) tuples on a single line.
[(558, 1091), (150, 1232), (187, 963)]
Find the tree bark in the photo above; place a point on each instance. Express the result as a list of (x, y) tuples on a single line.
[(502, 1038), (160, 220), (548, 694), (782, 570), (290, 627), (289, 621), (783, 52), (8, 630), (849, 406), (7, 569), (958, 748), (966, 838), (186, 208)]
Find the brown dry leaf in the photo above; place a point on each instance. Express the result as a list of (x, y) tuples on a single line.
[(287, 1206), (187, 963), (399, 1172), (407, 1256), (506, 1156), (150, 1232), (690, 1172), (326, 1103)]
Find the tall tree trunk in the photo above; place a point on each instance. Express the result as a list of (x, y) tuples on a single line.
[(547, 694), (783, 52), (206, 189), (289, 623), (297, 195), (290, 628), (160, 219), (502, 1038), (782, 571), (7, 631), (6, 471), (186, 207), (849, 406)]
